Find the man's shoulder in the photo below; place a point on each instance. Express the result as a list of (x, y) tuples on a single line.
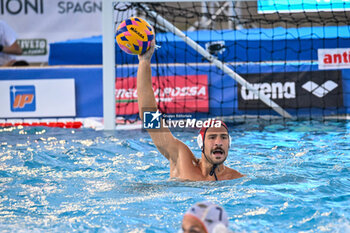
[(232, 174)]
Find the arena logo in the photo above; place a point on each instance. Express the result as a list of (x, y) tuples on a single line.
[(66, 7), (276, 90), (334, 58), (320, 90), (304, 89), (33, 47), (15, 7)]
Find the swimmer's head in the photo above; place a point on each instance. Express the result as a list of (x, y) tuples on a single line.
[(205, 217), (215, 142), (212, 124)]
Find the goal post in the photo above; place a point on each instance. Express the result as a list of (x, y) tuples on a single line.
[(108, 59)]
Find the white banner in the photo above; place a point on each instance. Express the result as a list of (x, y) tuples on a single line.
[(333, 58), (37, 98), (40, 22)]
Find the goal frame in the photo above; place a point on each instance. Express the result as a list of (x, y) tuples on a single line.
[(108, 58)]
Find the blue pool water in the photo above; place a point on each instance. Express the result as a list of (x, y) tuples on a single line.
[(64, 180)]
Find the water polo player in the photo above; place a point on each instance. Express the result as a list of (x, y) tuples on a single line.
[(205, 217), (214, 141)]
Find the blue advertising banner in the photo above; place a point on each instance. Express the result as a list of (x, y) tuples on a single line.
[(245, 45), (289, 6), (301, 88)]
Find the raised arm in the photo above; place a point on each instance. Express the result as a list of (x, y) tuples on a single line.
[(166, 143), (145, 93)]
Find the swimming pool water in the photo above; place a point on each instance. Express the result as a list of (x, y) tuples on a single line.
[(64, 180)]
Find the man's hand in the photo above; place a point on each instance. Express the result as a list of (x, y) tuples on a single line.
[(147, 56), (13, 49)]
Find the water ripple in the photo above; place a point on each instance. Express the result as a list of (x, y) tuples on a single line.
[(59, 180)]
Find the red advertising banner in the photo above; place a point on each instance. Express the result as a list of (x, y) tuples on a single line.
[(175, 94)]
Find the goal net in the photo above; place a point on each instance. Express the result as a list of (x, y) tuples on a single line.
[(260, 59)]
